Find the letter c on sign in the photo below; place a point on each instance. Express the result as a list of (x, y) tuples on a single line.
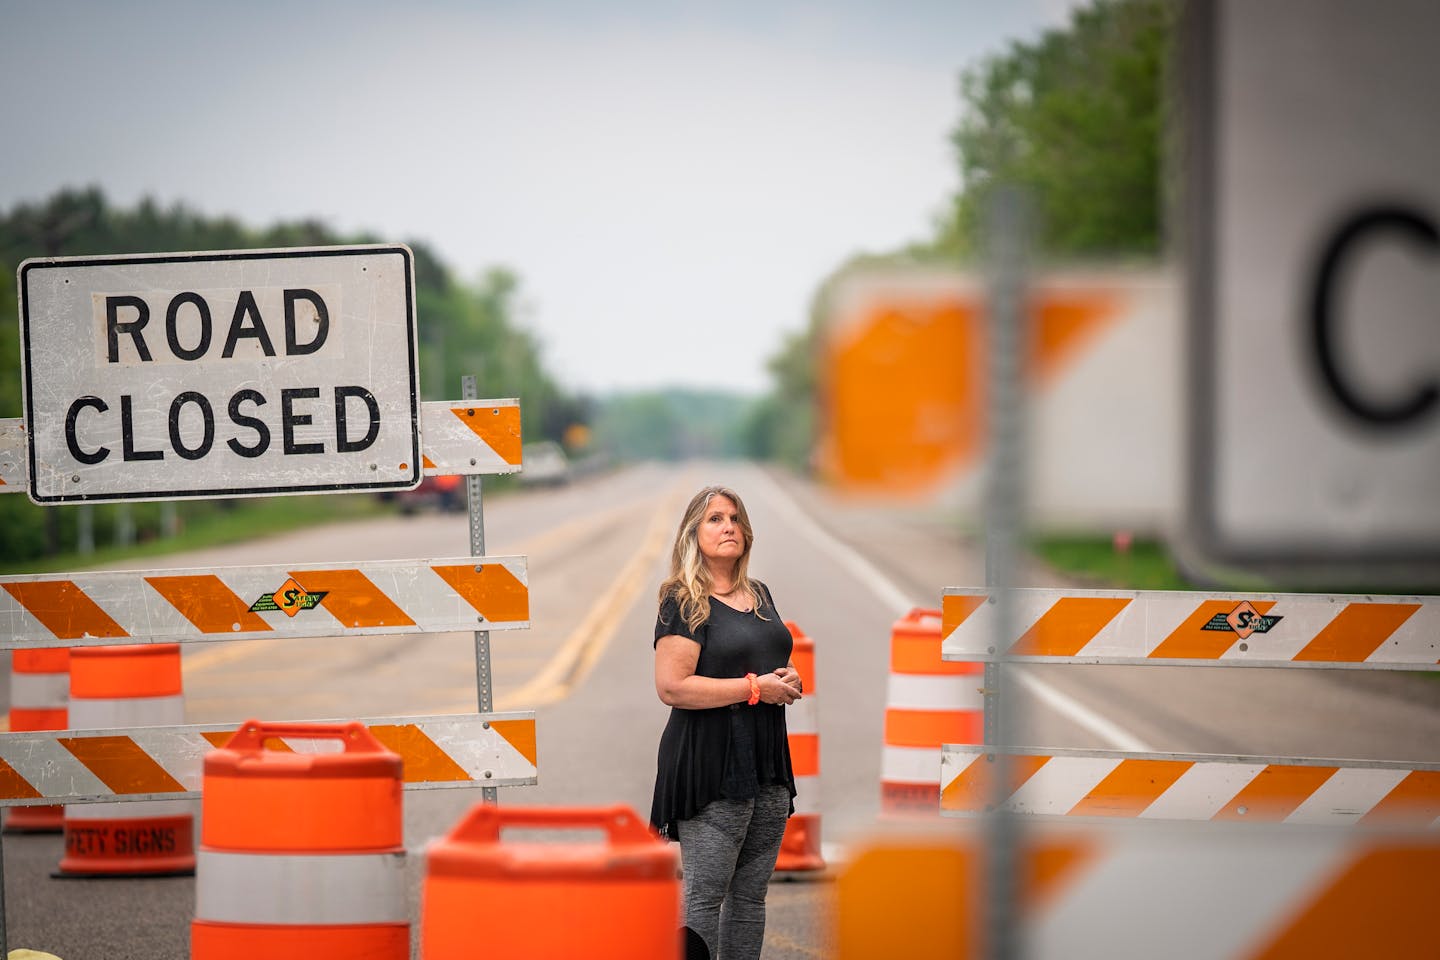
[(72, 441), (1373, 413)]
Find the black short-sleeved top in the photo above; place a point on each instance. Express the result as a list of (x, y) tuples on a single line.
[(723, 752)]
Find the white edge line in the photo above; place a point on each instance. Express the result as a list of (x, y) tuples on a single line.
[(862, 569), (867, 573), (1067, 706)]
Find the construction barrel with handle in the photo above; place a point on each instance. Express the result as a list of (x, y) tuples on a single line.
[(800, 848), (301, 853), (39, 700), (135, 685), (929, 702), (616, 899)]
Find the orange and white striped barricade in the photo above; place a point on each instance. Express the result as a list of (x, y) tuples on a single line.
[(469, 437), (1141, 890), (390, 597), (1144, 786), (127, 686), (800, 847), (928, 702), (1193, 629), (301, 854), (458, 437), (619, 898), (1206, 629), (146, 763), (39, 700)]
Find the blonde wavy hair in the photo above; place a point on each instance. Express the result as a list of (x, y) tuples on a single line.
[(690, 581)]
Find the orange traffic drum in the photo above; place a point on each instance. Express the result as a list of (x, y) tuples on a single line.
[(618, 897), (117, 687), (800, 848), (929, 702), (301, 849)]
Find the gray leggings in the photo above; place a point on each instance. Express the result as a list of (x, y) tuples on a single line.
[(729, 851)]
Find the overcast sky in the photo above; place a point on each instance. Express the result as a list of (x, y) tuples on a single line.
[(670, 180)]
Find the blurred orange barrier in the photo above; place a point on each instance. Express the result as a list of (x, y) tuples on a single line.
[(800, 848), (1138, 891), (911, 897), (903, 377), (126, 686), (301, 854), (613, 900), (39, 700), (929, 702)]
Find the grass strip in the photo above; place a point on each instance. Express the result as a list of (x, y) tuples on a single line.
[(245, 520), (1143, 565)]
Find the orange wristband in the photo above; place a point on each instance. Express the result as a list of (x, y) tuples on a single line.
[(754, 689)]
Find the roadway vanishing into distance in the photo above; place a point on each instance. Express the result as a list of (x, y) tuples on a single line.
[(596, 551)]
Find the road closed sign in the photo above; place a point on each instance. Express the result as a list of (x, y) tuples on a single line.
[(227, 374), (1314, 218)]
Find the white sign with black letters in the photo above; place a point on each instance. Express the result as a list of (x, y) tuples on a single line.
[(244, 373), (1315, 268)]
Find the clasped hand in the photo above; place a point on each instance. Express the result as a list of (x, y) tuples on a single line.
[(782, 686)]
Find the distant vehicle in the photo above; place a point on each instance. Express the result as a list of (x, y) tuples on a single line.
[(445, 493), (544, 464)]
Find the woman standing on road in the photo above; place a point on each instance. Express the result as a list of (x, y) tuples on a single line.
[(723, 786)]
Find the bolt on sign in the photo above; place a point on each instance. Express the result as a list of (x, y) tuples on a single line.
[(221, 374)]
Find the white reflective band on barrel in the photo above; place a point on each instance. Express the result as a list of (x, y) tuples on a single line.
[(131, 810), (807, 795), (910, 764), (110, 713), (300, 889), (39, 690), (127, 712), (910, 692), (800, 715)]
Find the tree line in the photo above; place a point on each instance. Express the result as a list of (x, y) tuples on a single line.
[(464, 328)]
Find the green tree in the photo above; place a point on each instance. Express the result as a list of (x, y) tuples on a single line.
[(9, 352), (1077, 118), (672, 424), (640, 426), (479, 330), (781, 425)]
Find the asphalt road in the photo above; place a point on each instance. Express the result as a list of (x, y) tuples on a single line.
[(597, 549)]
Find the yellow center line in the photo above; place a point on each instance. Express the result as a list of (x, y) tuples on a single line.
[(209, 657), (578, 654)]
